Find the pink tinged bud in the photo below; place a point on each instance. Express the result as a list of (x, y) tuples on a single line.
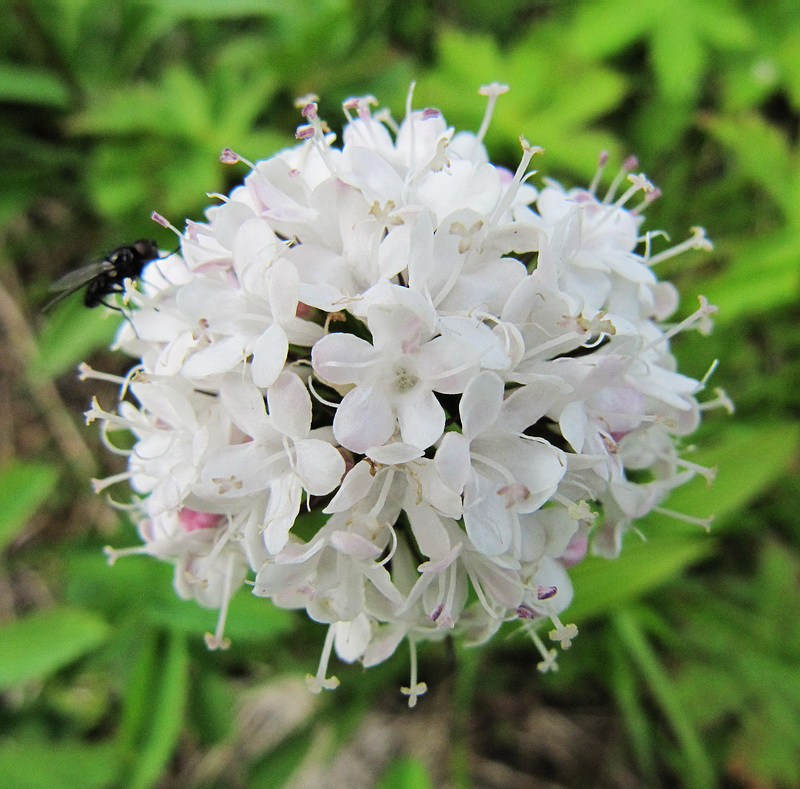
[(304, 311), (192, 520), (349, 460), (575, 551), (228, 156), (156, 217), (546, 592)]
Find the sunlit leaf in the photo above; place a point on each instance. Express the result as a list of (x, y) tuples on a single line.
[(31, 86), (39, 644), (24, 487), (33, 763), (406, 773)]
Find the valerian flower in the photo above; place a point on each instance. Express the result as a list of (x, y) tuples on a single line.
[(457, 383)]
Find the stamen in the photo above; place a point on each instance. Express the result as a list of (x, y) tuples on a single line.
[(409, 111), (548, 662), (415, 689), (217, 640), (231, 157), (393, 549), (720, 401), (115, 553), (528, 152), (649, 198), (317, 683), (680, 516), (319, 397), (700, 317), (384, 116), (491, 92), (156, 217), (109, 444), (101, 484), (601, 165), (638, 182), (562, 633), (629, 164), (85, 372), (581, 511), (697, 240)]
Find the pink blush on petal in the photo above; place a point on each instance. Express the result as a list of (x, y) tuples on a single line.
[(191, 520)]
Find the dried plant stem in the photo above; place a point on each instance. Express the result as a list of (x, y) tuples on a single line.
[(42, 390)]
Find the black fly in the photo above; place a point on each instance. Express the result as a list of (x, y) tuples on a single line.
[(107, 276)]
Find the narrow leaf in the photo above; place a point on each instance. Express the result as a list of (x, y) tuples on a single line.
[(699, 771), (40, 644), (24, 487), (168, 713), (31, 86)]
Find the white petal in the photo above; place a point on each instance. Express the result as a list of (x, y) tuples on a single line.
[(395, 453), (364, 419), (352, 638), (219, 357), (289, 406), (480, 405), (319, 465), (356, 484), (269, 355), (341, 358), (245, 405), (421, 418), (453, 462)]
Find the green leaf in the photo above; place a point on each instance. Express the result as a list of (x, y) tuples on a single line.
[(699, 771), (31, 86), (40, 644), (739, 479), (622, 681), (24, 487), (762, 154), (764, 274), (602, 585), (32, 763), (406, 773), (164, 726), (229, 9), (536, 70), (71, 334), (250, 618)]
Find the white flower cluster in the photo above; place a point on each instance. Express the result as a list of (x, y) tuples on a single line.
[(470, 378)]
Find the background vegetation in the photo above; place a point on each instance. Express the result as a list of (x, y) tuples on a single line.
[(687, 670)]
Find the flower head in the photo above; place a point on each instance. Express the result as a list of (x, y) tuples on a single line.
[(459, 370)]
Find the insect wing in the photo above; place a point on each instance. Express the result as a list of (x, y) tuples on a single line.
[(74, 280)]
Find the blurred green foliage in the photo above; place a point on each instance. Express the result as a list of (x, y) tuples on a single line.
[(114, 109)]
